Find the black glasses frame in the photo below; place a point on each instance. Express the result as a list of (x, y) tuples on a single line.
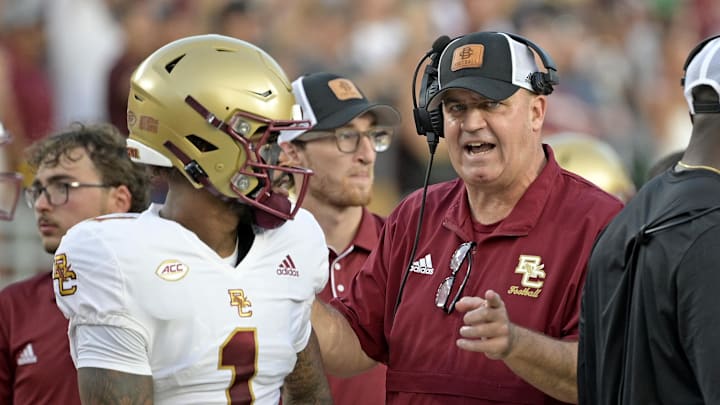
[(463, 253), (339, 133), (60, 188)]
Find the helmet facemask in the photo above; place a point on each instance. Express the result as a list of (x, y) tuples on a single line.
[(261, 165)]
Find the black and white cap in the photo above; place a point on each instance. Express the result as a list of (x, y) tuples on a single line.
[(703, 69), (491, 64), (330, 101)]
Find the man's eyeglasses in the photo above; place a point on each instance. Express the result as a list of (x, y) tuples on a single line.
[(56, 192), (348, 139), (463, 253)]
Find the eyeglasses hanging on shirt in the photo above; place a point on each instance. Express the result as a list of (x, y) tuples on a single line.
[(461, 255)]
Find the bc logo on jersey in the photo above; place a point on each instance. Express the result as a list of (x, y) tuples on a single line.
[(239, 300), (172, 270), (533, 274), (63, 274)]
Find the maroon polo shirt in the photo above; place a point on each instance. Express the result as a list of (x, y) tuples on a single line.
[(35, 363), (535, 259), (367, 388)]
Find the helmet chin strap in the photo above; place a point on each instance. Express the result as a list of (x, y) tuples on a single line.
[(267, 220)]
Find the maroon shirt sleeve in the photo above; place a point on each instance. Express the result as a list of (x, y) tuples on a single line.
[(369, 304), (6, 369), (36, 365)]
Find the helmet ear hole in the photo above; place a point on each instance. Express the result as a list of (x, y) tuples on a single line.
[(171, 66), (201, 144)]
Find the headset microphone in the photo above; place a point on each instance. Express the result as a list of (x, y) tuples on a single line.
[(439, 45)]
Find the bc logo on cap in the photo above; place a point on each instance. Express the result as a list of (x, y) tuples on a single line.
[(468, 56), (344, 89)]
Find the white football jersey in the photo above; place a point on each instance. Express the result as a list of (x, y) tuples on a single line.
[(210, 333)]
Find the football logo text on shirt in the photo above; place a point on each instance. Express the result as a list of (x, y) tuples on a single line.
[(172, 270), (64, 275), (287, 268), (239, 300), (533, 275)]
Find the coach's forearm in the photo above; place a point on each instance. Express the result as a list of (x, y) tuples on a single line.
[(548, 364), (340, 348)]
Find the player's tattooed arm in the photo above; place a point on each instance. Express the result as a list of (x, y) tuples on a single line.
[(307, 383), (110, 387)]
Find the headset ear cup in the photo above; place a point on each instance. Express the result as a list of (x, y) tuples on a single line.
[(427, 121), (423, 120), (436, 120), (540, 84), (435, 116)]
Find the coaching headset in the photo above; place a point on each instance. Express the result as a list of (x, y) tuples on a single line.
[(430, 122)]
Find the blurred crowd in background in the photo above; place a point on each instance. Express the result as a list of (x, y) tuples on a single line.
[(620, 62)]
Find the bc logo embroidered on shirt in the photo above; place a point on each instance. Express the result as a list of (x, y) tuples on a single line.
[(238, 299), (63, 274), (533, 274), (172, 270)]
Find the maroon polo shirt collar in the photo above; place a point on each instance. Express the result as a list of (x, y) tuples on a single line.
[(523, 217), (368, 233)]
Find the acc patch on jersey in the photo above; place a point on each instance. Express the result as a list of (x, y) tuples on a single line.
[(172, 270)]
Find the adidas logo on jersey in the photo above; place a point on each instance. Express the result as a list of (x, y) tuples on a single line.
[(287, 268), (423, 265), (27, 356)]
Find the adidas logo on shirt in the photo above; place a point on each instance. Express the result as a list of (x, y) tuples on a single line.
[(27, 356), (423, 265), (287, 268)]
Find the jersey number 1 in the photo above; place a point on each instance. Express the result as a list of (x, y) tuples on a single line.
[(239, 354)]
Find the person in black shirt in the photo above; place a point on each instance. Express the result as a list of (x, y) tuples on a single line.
[(649, 325)]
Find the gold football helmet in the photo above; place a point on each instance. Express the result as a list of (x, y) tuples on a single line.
[(594, 160), (10, 184), (212, 107)]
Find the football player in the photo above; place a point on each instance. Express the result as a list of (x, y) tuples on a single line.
[(205, 298)]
